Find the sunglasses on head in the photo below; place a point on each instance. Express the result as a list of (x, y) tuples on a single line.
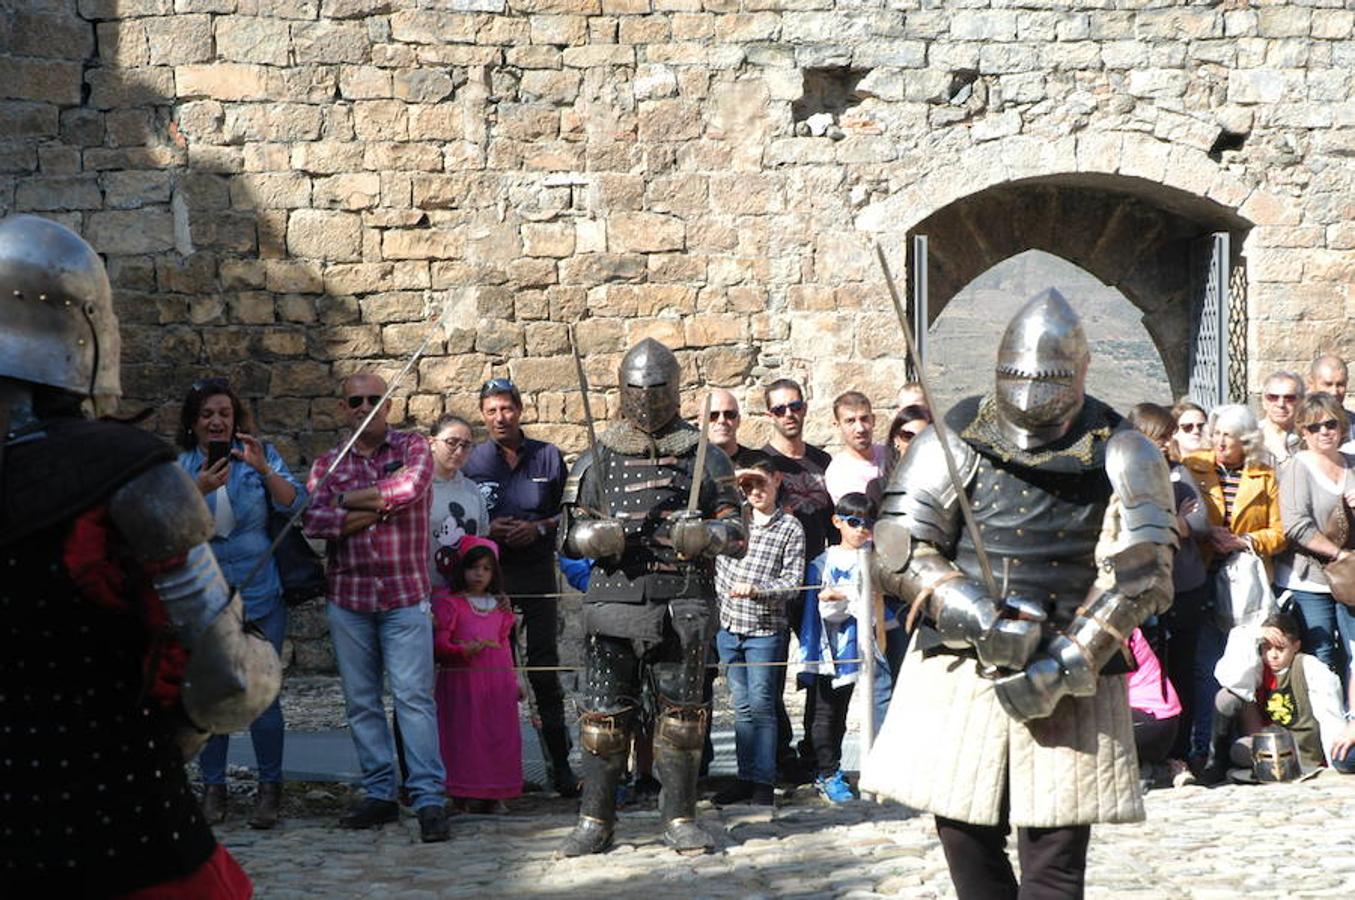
[(1190, 427), (780, 409), (213, 385), (858, 521), (498, 386), (1276, 398), (728, 415), (356, 400), (1325, 425)]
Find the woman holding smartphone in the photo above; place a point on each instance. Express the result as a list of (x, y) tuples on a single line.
[(242, 479)]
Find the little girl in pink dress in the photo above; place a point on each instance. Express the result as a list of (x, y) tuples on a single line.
[(477, 691)]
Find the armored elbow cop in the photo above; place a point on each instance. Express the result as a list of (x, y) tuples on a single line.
[(233, 673)]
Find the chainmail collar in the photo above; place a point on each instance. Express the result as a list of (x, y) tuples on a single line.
[(1082, 449), (673, 439)]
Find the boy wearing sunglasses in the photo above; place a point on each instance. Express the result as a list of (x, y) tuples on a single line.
[(752, 594), (829, 646)]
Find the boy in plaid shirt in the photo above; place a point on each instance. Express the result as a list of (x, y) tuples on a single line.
[(752, 593)]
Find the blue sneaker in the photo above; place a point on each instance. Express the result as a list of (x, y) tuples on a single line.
[(835, 787)]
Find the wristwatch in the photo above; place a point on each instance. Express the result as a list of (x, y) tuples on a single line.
[(541, 528)]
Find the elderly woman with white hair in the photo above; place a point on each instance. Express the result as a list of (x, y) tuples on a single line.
[(1242, 497)]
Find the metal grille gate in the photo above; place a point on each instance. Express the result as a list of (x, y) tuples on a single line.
[(1212, 336)]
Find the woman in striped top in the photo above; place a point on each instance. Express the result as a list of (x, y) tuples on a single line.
[(1242, 498)]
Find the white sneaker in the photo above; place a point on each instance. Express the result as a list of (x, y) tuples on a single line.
[(1180, 772)]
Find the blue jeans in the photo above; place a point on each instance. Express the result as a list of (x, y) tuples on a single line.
[(1327, 627), (753, 690), (1346, 764), (1208, 650), (400, 642), (265, 731)]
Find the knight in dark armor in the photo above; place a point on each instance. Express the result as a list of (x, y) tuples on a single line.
[(1016, 712), (649, 612), (123, 647)]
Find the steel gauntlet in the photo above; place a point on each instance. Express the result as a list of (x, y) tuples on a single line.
[(596, 538), (1003, 635), (1071, 663), (695, 537)]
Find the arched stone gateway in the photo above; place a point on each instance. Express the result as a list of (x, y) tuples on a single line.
[(1136, 213)]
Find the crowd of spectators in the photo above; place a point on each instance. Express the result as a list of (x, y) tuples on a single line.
[(442, 576)]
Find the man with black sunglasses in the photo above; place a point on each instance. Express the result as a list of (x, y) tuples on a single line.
[(522, 480), (373, 511), (803, 494), (723, 422)]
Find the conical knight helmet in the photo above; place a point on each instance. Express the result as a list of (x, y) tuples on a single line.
[(1041, 370), (57, 326), (649, 377)]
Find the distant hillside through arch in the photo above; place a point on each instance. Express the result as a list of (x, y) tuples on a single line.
[(1125, 367)]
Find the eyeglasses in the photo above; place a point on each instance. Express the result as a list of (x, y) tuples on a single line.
[(1277, 398), (1326, 425), (500, 386), (455, 444), (858, 521), (794, 406), (213, 385), (1190, 427), (729, 415), (356, 401)]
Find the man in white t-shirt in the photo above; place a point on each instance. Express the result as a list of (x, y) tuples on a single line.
[(858, 465)]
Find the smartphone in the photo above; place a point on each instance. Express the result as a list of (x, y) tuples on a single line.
[(217, 451)]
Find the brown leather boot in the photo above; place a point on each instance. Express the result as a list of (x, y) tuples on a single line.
[(267, 806), (214, 804)]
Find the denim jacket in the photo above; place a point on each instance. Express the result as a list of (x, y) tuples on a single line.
[(250, 503)]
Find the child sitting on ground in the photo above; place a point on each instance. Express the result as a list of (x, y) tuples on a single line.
[(829, 637), (1268, 681), (476, 689)]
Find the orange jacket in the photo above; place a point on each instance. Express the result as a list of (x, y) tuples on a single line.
[(1256, 509)]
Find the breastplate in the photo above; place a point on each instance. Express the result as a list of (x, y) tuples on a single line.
[(644, 492), (1040, 530)]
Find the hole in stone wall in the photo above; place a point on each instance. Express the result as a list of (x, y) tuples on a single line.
[(1226, 141), (828, 93), (961, 86)]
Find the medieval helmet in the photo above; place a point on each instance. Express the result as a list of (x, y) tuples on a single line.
[(57, 325), (1275, 755), (1041, 370), (648, 377)]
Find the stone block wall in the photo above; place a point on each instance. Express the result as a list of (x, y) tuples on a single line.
[(287, 190)]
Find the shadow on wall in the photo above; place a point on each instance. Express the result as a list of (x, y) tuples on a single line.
[(233, 232)]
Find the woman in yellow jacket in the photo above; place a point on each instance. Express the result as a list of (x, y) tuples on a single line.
[(1242, 498)]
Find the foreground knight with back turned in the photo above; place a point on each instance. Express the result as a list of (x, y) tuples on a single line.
[(1016, 714), (649, 609), (125, 648)]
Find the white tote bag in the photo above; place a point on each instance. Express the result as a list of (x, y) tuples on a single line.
[(1242, 594)]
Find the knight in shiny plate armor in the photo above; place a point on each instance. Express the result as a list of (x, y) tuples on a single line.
[(1015, 712), (649, 609), (123, 646)]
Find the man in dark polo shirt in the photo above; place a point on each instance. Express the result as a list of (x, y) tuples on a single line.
[(804, 494), (522, 480)]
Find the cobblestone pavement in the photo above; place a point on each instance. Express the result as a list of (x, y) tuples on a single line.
[(1260, 841)]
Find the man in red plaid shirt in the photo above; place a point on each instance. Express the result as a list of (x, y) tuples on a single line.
[(374, 513)]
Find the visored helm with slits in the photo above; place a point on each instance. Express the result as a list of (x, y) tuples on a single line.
[(648, 378), (1041, 370), (1275, 755), (57, 326)]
